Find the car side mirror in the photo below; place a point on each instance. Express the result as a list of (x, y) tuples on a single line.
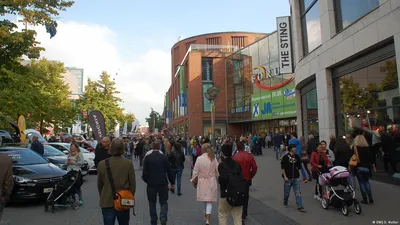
[(66, 152)]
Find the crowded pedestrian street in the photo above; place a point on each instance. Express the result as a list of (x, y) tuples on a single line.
[(265, 206)]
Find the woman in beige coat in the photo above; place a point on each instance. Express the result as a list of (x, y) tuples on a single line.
[(205, 173)]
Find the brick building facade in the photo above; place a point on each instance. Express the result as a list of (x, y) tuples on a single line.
[(198, 63)]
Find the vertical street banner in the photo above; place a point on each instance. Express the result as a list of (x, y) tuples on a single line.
[(22, 128), (166, 108), (284, 45), (98, 125), (182, 90)]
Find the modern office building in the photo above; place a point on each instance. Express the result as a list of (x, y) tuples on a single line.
[(260, 99), (347, 55), (198, 63), (74, 78)]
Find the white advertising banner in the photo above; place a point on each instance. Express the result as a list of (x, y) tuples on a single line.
[(284, 45)]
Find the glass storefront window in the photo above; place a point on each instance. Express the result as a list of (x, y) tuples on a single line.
[(310, 113), (311, 27), (347, 12), (368, 97)]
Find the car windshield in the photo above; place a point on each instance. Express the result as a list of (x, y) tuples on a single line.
[(23, 156), (51, 151), (68, 146)]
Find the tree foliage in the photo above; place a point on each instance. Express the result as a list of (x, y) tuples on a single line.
[(38, 92), (15, 43), (155, 120), (101, 95)]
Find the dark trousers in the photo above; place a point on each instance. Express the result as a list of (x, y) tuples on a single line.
[(246, 201), (162, 192), (110, 214), (178, 177), (318, 188), (141, 157)]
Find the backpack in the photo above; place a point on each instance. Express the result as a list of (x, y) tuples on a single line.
[(237, 187)]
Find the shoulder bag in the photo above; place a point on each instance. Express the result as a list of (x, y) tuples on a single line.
[(355, 159), (124, 199)]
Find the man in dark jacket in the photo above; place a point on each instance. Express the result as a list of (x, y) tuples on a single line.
[(102, 151), (225, 168), (278, 139), (177, 161), (37, 146), (6, 181), (156, 169)]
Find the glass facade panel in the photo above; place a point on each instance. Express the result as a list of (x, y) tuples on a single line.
[(311, 28), (368, 97), (309, 104), (347, 12), (258, 61)]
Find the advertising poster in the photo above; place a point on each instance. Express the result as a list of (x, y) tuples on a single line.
[(274, 104)]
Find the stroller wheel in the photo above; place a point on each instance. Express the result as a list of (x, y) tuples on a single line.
[(324, 203), (357, 208), (345, 210)]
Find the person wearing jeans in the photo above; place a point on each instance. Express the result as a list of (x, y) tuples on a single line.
[(123, 178), (291, 166), (156, 169), (278, 141), (177, 160)]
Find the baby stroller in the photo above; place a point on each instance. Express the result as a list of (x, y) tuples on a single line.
[(339, 198), (63, 191)]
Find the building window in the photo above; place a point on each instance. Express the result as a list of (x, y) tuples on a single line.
[(309, 107), (239, 41), (207, 69), (206, 102), (213, 41), (347, 12), (311, 25)]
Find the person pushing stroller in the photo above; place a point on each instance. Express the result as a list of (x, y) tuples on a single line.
[(74, 163)]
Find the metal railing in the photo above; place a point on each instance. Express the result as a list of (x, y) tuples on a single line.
[(213, 48)]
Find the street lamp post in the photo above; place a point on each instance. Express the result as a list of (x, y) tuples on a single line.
[(211, 95)]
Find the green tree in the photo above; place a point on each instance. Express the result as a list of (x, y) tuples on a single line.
[(391, 80), (39, 91), (16, 43), (101, 95), (155, 120)]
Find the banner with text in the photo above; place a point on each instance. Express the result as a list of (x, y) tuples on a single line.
[(274, 104)]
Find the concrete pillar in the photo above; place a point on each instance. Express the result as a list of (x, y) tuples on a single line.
[(326, 109), (397, 49), (297, 40), (327, 19), (299, 114)]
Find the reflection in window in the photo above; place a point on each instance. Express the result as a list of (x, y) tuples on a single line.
[(311, 27), (368, 97), (347, 12), (310, 112)]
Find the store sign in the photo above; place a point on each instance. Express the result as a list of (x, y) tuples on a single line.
[(242, 109), (264, 75), (284, 45), (278, 103), (207, 69)]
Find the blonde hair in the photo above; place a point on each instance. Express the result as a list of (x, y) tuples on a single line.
[(206, 148), (360, 141)]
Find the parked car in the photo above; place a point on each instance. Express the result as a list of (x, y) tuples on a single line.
[(89, 156), (59, 159), (30, 133), (86, 145), (5, 137), (33, 174)]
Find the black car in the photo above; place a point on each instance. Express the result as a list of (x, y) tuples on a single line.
[(59, 159), (33, 175)]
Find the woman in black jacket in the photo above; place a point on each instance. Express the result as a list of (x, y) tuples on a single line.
[(364, 168)]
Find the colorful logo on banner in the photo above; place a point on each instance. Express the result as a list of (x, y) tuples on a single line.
[(278, 103), (263, 75)]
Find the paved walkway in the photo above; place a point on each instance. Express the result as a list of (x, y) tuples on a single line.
[(268, 188)]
